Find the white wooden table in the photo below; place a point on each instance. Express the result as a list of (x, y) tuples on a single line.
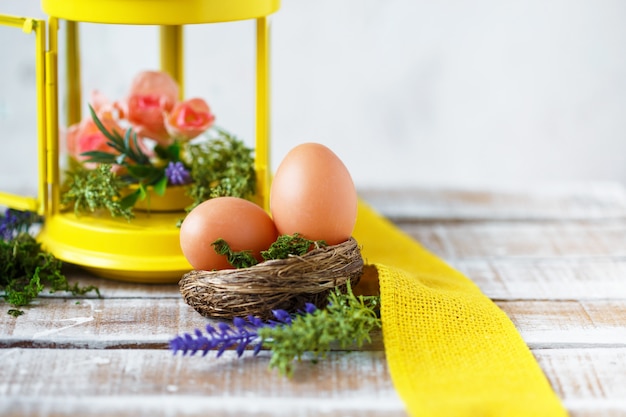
[(554, 259)]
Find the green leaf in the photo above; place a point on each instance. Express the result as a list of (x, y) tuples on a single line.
[(161, 152), (131, 199), (117, 144), (100, 157), (174, 151), (127, 139), (143, 193), (148, 173), (122, 145), (161, 186), (111, 136), (169, 153), (137, 153)]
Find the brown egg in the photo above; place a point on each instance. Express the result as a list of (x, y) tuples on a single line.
[(241, 223), (313, 194)]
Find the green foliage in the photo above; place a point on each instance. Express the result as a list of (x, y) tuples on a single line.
[(288, 245), (127, 154), (15, 312), (348, 320), (240, 259), (171, 152), (127, 147), (221, 166), (25, 270), (282, 248), (89, 190)]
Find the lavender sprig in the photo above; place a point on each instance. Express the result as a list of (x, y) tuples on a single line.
[(347, 320), (177, 174), (243, 333), (14, 222)]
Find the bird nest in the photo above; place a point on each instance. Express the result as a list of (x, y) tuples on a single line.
[(285, 284)]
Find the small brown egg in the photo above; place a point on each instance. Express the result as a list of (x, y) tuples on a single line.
[(313, 194), (241, 223)]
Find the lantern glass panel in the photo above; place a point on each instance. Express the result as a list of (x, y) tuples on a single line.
[(18, 113), (223, 73)]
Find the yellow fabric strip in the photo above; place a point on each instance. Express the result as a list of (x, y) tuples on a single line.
[(451, 351)]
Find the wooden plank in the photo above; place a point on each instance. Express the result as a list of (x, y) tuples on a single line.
[(547, 278), (152, 323), (553, 261), (605, 204), (496, 240), (506, 259), (46, 382), (590, 382), (557, 202), (496, 243), (111, 288), (106, 324), (568, 324), (500, 278), (100, 323)]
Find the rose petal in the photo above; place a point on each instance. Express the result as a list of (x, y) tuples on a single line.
[(152, 94), (189, 119)]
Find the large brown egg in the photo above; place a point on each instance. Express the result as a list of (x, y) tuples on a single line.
[(241, 223), (313, 194)]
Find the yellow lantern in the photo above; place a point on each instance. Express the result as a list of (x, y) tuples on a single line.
[(146, 249)]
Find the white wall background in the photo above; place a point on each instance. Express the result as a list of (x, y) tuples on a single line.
[(407, 92)]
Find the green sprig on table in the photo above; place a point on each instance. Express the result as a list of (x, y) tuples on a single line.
[(348, 320), (25, 268)]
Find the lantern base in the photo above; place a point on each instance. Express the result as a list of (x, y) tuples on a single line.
[(145, 250)]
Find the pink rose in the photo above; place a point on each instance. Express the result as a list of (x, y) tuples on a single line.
[(189, 119), (85, 135), (152, 95)]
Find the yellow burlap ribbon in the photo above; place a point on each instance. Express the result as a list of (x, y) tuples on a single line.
[(450, 350)]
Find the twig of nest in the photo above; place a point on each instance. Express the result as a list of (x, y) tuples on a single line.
[(285, 284)]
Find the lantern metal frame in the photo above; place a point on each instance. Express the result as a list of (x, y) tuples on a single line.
[(146, 249)]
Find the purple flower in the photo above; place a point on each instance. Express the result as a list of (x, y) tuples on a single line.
[(177, 174), (282, 316), (13, 222), (241, 334)]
